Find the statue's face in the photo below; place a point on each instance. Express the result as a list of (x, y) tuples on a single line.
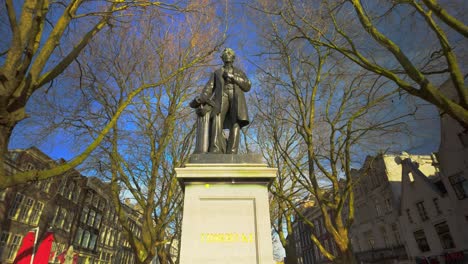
[(228, 56)]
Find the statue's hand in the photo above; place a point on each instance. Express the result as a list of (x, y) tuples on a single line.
[(201, 111), (197, 101), (228, 76), (194, 103)]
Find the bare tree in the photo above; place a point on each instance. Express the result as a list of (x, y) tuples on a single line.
[(154, 134), (274, 134), (39, 51), (362, 33), (332, 107)]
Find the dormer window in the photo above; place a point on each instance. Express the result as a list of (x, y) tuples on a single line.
[(29, 166), (437, 206), (460, 185)]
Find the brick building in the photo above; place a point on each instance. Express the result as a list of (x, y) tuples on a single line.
[(307, 252), (75, 208)]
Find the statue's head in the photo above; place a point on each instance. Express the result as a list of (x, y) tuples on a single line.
[(228, 55)]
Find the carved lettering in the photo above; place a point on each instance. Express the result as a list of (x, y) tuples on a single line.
[(227, 237)]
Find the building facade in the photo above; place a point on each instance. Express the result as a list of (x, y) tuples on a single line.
[(435, 206), (75, 208), (376, 234), (429, 219), (307, 251)]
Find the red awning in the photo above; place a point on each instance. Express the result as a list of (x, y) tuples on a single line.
[(23, 256), (43, 251)]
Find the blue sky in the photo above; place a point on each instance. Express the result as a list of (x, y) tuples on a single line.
[(242, 37)]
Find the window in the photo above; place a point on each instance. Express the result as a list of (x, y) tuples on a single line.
[(69, 221), (92, 215), (70, 191), (436, 206), (89, 197), (76, 193), (15, 243), (441, 187), (103, 235), (410, 176), (97, 223), (388, 205), (36, 213), (45, 185), (408, 214), (13, 213), (25, 210), (96, 201), (116, 218), (9, 245), (78, 236), (112, 239), (444, 235), (102, 205), (60, 216), (422, 211), (84, 215), (460, 185), (396, 234), (3, 242), (57, 249), (92, 241), (38, 184), (86, 238), (107, 241), (377, 209), (63, 186), (421, 241), (371, 242)]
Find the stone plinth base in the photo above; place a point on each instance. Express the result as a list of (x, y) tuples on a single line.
[(226, 212)]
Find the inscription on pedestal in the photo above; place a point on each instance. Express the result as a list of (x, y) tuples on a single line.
[(228, 229)]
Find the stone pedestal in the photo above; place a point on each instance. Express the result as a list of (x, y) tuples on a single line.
[(226, 212)]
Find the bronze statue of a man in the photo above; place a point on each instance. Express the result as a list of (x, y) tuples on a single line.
[(222, 97)]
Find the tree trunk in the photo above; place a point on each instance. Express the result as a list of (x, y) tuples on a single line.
[(163, 256), (346, 257), (290, 250), (5, 133)]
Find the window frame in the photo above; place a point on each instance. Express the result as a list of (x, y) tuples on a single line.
[(16, 206), (443, 231), (460, 185), (34, 219), (420, 236), (423, 215)]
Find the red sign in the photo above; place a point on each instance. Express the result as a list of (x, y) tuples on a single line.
[(454, 256)]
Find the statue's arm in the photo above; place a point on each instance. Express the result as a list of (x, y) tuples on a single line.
[(204, 97), (208, 89), (241, 79)]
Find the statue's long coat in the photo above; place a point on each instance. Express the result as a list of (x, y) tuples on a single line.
[(214, 90)]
